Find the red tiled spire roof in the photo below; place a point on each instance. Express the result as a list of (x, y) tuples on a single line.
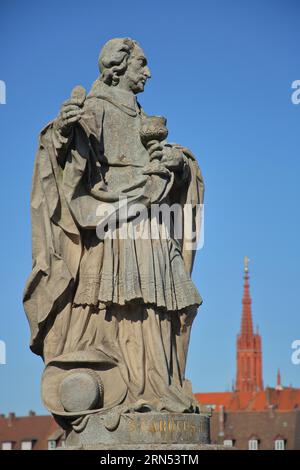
[(246, 323), (249, 355), (278, 378)]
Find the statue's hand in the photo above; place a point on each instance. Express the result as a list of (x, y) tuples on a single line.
[(156, 168), (172, 158), (156, 151), (71, 111)]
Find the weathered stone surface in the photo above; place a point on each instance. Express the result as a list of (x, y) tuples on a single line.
[(80, 391), (145, 428), (151, 447)]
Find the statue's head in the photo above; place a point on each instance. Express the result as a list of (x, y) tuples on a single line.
[(122, 63)]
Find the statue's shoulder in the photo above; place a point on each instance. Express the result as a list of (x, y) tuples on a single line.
[(93, 110), (94, 101), (93, 105)]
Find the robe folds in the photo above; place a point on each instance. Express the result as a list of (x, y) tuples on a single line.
[(123, 298)]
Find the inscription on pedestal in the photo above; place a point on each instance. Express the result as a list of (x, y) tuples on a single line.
[(146, 428), (164, 426)]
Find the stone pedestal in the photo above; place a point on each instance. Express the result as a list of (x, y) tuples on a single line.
[(137, 430)]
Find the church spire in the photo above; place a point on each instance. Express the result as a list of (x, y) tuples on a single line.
[(278, 384), (246, 325), (249, 355), (278, 377)]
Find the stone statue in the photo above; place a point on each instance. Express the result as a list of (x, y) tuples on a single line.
[(111, 315)]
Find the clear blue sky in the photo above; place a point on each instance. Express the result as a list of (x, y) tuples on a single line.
[(221, 73)]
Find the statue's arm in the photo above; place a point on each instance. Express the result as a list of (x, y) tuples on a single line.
[(70, 113)]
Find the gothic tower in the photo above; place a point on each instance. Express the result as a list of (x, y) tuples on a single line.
[(249, 355)]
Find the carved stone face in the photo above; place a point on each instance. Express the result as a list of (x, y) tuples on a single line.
[(137, 71)]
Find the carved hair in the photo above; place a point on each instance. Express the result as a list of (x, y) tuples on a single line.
[(113, 59)]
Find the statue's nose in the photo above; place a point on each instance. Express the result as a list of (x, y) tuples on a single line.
[(147, 72)]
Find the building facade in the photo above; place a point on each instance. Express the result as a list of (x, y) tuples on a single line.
[(30, 432)]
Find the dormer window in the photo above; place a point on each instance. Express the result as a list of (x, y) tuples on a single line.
[(279, 444), (253, 444), (228, 443), (7, 445), (51, 444), (26, 445)]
